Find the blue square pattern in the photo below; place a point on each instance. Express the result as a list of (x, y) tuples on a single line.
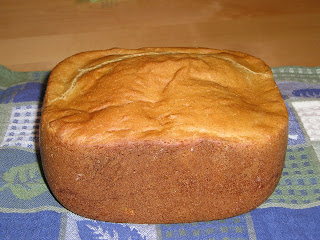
[(295, 90), (23, 129), (43, 225), (232, 228), (307, 92)]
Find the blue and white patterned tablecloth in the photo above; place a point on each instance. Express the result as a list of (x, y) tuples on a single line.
[(29, 211)]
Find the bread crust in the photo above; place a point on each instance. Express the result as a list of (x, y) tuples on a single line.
[(162, 135)]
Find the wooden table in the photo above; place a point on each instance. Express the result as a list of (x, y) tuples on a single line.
[(37, 34)]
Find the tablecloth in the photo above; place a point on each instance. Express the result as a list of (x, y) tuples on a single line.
[(29, 211)]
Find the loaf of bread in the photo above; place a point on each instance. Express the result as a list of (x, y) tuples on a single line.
[(162, 135)]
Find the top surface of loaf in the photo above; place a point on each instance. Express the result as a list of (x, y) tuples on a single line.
[(164, 94)]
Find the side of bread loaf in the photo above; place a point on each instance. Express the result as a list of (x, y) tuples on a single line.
[(162, 135)]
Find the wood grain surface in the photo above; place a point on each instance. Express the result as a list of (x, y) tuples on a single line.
[(37, 34)]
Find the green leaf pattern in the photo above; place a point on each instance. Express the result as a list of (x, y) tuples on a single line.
[(24, 181)]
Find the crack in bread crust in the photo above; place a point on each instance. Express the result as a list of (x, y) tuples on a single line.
[(85, 70)]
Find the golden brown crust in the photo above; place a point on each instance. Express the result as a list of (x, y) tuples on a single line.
[(162, 135)]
